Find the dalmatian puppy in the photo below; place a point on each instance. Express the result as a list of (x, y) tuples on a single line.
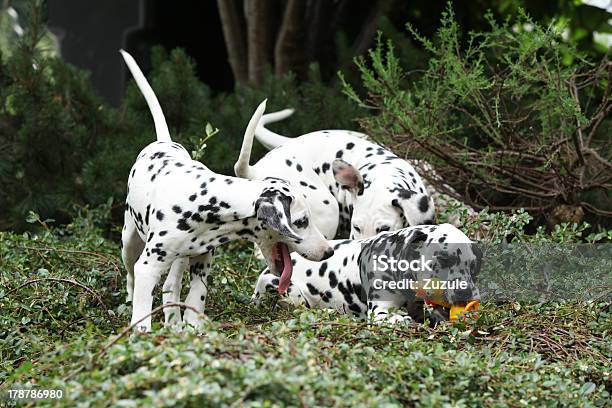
[(348, 282), (178, 211), (350, 183)]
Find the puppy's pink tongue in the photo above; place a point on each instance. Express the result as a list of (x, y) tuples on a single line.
[(285, 279)]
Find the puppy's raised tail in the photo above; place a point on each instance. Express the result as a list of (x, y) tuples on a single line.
[(242, 167), (266, 137), (161, 128)]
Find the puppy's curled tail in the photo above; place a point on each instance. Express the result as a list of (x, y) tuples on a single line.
[(161, 128), (242, 167), (266, 137)]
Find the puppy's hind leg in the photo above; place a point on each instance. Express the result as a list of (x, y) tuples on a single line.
[(198, 269), (131, 248), (147, 273), (171, 291)]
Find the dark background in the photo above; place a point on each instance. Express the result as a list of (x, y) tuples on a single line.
[(91, 32)]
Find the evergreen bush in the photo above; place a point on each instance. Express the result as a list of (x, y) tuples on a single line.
[(50, 122), (60, 145), (504, 116)]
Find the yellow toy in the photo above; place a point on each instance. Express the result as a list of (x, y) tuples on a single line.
[(457, 311), (436, 298)]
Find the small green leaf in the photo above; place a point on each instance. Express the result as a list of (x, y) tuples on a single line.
[(587, 388)]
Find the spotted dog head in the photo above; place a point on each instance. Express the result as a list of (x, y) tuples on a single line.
[(379, 207), (287, 226), (456, 261), (459, 264), (444, 272)]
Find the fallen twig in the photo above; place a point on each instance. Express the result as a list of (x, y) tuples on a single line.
[(130, 327), (62, 280)]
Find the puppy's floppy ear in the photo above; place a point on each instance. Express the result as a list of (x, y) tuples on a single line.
[(418, 208), (347, 175), (273, 212)]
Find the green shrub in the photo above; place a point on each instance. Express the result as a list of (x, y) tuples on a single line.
[(503, 116), (50, 122), (60, 145)]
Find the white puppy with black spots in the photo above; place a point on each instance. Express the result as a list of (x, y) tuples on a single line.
[(177, 209), (347, 281), (350, 183)]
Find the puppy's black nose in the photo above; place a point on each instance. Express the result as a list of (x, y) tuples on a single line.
[(463, 295), (328, 254)]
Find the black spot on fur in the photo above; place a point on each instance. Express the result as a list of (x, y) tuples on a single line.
[(333, 281), (312, 289), (355, 308), (424, 204), (418, 236), (405, 194), (147, 214), (322, 269), (183, 225)]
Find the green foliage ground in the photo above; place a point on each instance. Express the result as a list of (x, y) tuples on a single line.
[(64, 331)]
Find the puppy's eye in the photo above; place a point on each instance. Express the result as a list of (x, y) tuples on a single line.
[(357, 228), (301, 223), (383, 228)]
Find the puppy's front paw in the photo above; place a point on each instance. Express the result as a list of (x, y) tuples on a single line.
[(172, 316), (399, 319), (394, 319), (193, 319)]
